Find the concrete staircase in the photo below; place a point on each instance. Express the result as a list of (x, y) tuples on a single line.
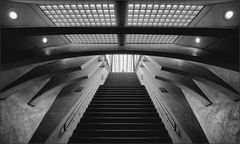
[(121, 112)]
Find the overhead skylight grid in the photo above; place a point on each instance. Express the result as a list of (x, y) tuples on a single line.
[(150, 39), (93, 38), (90, 14), (166, 15)]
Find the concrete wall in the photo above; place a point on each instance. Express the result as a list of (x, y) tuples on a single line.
[(18, 120), (220, 121), (188, 129), (229, 76)]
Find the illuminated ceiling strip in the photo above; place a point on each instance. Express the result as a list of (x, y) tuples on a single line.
[(93, 38), (89, 14), (166, 15), (150, 39)]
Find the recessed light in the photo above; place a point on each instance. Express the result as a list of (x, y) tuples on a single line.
[(44, 40), (197, 40), (13, 15), (228, 15)]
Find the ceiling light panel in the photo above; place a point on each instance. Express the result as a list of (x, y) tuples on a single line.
[(150, 39), (164, 15), (101, 14), (93, 38)]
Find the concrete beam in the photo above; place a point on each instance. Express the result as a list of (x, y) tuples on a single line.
[(189, 129), (67, 104), (164, 50), (64, 80), (47, 71), (180, 81), (229, 33), (196, 72), (204, 2), (121, 11)]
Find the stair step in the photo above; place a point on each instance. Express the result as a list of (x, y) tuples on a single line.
[(122, 95), (120, 110), (122, 114), (121, 102), (121, 126), (124, 91), (122, 88), (120, 98), (121, 119), (121, 140), (121, 92), (119, 133), (121, 106)]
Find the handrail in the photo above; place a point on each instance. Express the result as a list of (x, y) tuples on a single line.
[(77, 109), (165, 111)]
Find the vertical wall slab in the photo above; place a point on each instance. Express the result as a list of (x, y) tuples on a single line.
[(189, 130), (18, 120), (220, 121)]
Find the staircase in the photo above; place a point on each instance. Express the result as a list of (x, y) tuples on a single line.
[(121, 112)]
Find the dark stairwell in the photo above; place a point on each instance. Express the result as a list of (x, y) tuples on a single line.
[(121, 112)]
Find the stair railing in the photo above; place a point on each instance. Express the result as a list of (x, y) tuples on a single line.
[(73, 115), (163, 107)]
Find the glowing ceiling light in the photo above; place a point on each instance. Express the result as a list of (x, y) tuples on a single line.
[(44, 40), (150, 39), (197, 40), (100, 14), (93, 38), (170, 15), (228, 15), (13, 15)]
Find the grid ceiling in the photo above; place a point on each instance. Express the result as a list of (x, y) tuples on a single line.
[(138, 14), (101, 14), (93, 38), (166, 15), (150, 39)]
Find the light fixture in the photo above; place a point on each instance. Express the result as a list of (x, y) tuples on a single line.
[(150, 39), (228, 15), (197, 40), (12, 15), (44, 40), (93, 38), (171, 15), (86, 14)]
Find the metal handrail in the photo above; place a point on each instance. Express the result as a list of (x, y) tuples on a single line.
[(76, 110), (165, 111)]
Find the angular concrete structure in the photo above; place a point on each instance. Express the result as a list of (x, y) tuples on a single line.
[(120, 71)]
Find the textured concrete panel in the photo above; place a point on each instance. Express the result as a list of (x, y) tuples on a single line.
[(220, 122), (229, 76), (18, 120)]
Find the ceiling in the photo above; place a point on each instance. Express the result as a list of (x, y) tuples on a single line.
[(160, 27)]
